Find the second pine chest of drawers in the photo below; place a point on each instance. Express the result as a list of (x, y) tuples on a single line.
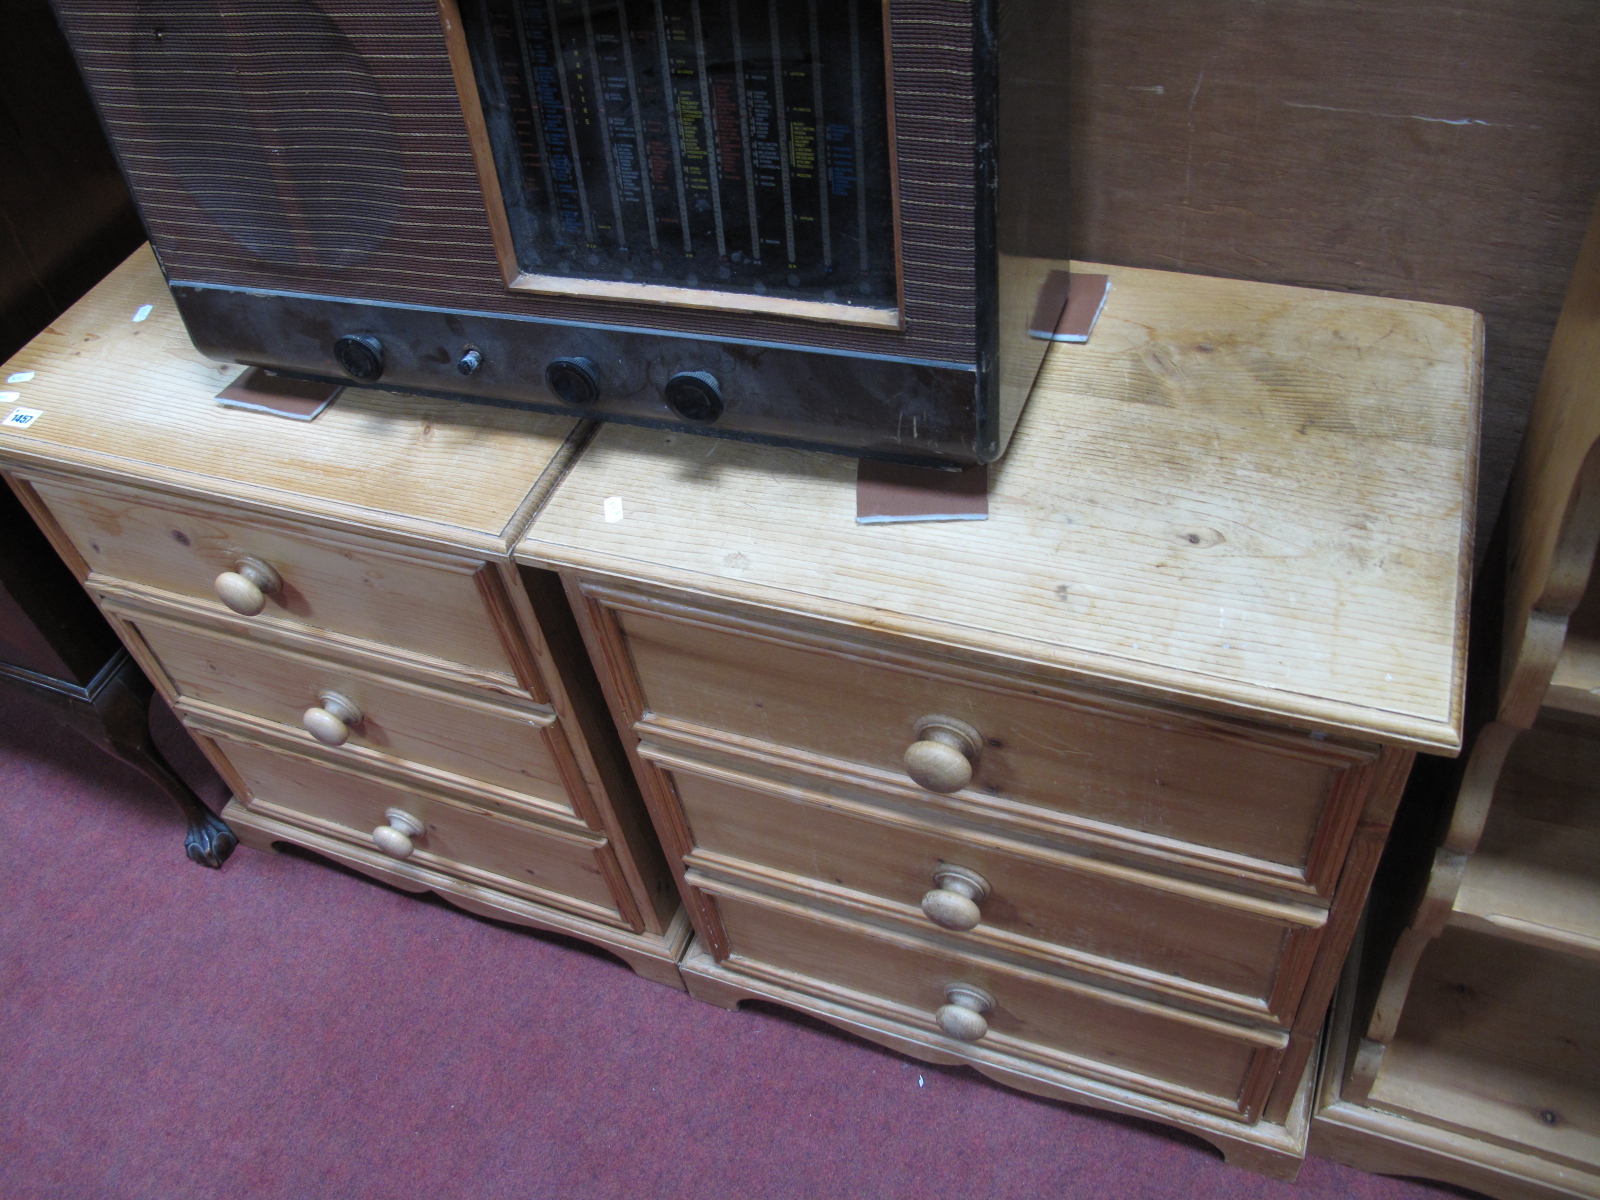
[(1087, 795)]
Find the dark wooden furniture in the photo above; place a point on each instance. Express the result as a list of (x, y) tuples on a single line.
[(65, 220), (55, 646), (65, 215)]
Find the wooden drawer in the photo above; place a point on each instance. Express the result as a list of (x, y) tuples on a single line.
[(1200, 1062), (565, 870), (1199, 791), (1178, 941), (477, 744), (434, 606)]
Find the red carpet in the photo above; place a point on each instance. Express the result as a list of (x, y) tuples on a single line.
[(283, 1029)]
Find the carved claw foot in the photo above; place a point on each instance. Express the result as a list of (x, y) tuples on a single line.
[(210, 842)]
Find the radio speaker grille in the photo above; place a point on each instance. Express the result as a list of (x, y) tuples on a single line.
[(264, 112)]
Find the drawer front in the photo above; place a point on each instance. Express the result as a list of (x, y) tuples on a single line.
[(1179, 942), (567, 872), (1249, 801), (432, 607), (1203, 1064), (480, 743)]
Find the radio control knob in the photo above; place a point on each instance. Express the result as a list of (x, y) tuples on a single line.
[(575, 380), (469, 362), (695, 396), (361, 355)]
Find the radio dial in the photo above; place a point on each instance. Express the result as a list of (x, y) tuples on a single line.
[(575, 380), (361, 355), (695, 396)]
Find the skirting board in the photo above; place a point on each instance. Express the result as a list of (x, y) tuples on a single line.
[(1268, 1149), (652, 956)]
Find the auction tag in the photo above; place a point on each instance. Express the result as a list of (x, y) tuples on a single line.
[(21, 418), (613, 509)]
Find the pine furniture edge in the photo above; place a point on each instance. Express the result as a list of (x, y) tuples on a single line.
[(1083, 668)]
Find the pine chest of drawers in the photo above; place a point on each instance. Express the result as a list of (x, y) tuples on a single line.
[(331, 608), (1087, 795)]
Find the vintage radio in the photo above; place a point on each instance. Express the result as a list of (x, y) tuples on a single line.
[(809, 221)]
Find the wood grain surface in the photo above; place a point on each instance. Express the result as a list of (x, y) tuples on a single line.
[(1374, 1139), (1535, 874), (388, 522), (513, 856), (1264, 798), (1251, 496), (1171, 1054), (1498, 1042), (1441, 150), (427, 603), (1271, 1148), (1553, 512), (1130, 927), (1481, 1033), (479, 742), (133, 400)]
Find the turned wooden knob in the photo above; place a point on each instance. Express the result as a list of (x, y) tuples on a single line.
[(953, 903), (961, 1017), (394, 839), (942, 756), (245, 589), (330, 722)]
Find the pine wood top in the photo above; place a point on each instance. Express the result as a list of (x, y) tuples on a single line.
[(1250, 496), (134, 402)]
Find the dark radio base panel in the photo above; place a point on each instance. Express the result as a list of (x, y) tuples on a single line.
[(900, 410), (727, 435)]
